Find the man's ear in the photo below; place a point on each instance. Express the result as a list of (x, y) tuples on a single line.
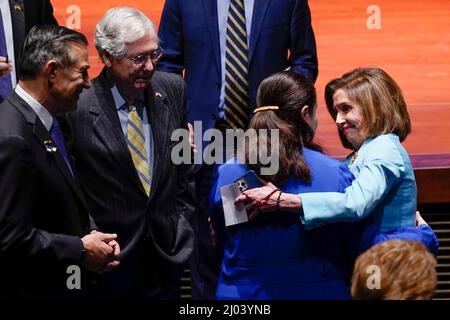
[(50, 69), (106, 58)]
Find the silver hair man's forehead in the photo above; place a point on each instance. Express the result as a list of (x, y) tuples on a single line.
[(120, 26)]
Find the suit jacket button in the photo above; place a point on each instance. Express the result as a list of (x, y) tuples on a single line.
[(213, 116), (218, 85)]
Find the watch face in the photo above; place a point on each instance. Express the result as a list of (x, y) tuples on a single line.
[(83, 253)]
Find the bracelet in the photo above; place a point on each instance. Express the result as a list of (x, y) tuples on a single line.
[(270, 194), (278, 200)]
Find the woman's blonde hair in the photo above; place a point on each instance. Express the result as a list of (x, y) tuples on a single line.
[(406, 269), (380, 97)]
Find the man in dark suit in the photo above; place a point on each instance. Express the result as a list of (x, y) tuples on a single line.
[(17, 18), (226, 48), (44, 221), (122, 145)]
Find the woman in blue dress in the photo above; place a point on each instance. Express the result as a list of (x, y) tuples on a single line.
[(273, 256)]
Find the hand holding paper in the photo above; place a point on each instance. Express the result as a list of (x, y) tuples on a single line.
[(234, 214)]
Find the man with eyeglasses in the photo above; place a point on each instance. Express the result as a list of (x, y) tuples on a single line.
[(122, 148)]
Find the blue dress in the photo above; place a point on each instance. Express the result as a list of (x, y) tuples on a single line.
[(273, 257)]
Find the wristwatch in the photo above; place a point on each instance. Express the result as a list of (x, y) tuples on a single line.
[(83, 254)]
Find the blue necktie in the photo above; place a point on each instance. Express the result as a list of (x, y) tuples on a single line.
[(55, 132), (5, 81)]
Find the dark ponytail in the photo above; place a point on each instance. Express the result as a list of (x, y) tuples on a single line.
[(290, 92)]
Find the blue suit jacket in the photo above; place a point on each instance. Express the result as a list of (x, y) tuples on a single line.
[(190, 38)]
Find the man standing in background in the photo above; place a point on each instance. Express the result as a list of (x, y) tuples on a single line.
[(226, 48)]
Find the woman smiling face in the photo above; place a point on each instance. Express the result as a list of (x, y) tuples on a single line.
[(349, 119)]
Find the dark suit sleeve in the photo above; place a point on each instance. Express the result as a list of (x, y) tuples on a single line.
[(170, 33), (185, 195), (18, 235), (215, 209), (186, 184), (174, 237), (47, 13), (422, 233), (67, 125), (303, 57)]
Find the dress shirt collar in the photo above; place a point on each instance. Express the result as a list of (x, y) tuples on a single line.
[(120, 102), (43, 114)]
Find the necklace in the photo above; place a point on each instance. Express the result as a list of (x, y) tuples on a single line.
[(354, 157)]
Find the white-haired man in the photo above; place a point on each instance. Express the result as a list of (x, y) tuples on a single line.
[(122, 147)]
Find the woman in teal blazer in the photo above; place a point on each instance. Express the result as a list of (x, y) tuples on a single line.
[(273, 256), (372, 119)]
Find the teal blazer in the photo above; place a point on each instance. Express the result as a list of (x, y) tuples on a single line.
[(384, 186)]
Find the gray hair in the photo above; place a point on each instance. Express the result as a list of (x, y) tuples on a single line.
[(119, 26), (44, 43)]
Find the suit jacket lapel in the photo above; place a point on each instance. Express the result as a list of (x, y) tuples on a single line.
[(210, 12), (107, 125), (259, 13), (158, 116), (43, 136)]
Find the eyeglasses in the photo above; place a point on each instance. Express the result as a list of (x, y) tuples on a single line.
[(142, 58)]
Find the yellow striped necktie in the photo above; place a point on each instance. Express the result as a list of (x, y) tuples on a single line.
[(136, 145), (236, 68)]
